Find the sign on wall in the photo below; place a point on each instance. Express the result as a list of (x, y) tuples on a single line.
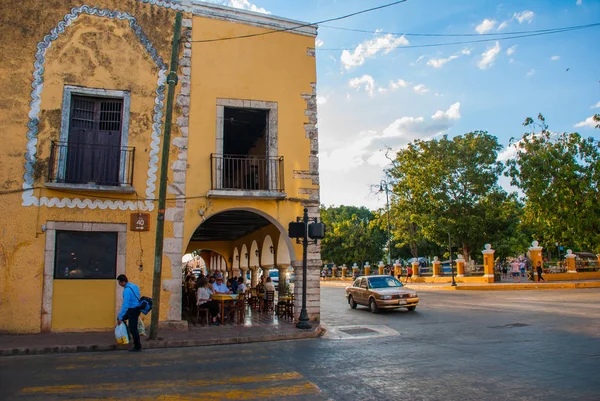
[(139, 222)]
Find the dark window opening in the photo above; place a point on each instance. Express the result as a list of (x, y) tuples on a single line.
[(85, 255), (94, 145), (245, 144)]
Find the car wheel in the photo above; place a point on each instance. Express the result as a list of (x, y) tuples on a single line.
[(373, 306), (411, 308), (353, 304)]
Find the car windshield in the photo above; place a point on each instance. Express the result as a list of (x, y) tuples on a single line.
[(384, 282)]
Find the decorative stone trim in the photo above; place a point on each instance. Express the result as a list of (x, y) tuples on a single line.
[(38, 84), (173, 247), (50, 256)]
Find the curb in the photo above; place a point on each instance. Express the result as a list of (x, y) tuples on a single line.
[(494, 287), (158, 344)]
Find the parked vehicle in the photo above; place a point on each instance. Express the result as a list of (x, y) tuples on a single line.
[(381, 292)]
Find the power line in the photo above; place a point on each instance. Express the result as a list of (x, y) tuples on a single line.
[(448, 34), (558, 30), (302, 25)]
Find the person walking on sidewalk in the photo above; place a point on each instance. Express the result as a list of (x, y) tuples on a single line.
[(409, 273), (539, 272), (515, 271), (130, 310)]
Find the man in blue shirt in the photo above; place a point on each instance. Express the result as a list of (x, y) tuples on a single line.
[(219, 287), (130, 310)]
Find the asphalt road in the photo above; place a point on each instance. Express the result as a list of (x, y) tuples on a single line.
[(463, 345)]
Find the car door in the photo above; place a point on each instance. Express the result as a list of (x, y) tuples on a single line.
[(362, 292)]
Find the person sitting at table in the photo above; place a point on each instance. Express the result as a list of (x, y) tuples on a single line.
[(203, 299), (219, 287), (269, 286), (233, 285), (211, 279), (241, 288)]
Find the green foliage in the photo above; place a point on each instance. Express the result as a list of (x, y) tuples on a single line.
[(559, 175), (353, 235), (450, 186)]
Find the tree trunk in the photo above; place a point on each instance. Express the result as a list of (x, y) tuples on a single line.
[(466, 252)]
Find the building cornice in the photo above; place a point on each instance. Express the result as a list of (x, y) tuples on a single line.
[(203, 9)]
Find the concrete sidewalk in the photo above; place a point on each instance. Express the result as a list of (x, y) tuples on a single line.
[(505, 286), (48, 343)]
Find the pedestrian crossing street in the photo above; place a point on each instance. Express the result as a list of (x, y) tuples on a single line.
[(184, 374)]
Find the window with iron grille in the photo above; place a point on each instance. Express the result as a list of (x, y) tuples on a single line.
[(92, 151)]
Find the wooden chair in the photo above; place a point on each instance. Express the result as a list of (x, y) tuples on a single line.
[(289, 309), (239, 308), (269, 302), (204, 312), (253, 298)]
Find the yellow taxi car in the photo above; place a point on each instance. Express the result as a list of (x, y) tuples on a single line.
[(381, 292)]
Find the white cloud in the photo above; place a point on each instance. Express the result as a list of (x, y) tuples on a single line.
[(530, 73), (511, 50), (453, 113), (486, 26), (554, 58), (439, 62), (319, 43), (369, 48), (488, 56), (524, 16), (246, 5), (507, 153), (365, 82), (321, 99), (596, 106), (400, 83), (420, 89), (579, 2), (420, 58), (587, 123), (466, 52), (503, 25)]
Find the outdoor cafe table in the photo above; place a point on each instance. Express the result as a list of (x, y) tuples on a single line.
[(222, 298)]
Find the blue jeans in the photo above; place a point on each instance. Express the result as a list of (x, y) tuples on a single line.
[(132, 315)]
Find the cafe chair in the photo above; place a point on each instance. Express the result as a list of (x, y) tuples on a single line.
[(269, 302), (253, 300), (204, 312), (289, 308), (238, 309)]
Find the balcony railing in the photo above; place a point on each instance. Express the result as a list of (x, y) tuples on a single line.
[(101, 165), (246, 173)]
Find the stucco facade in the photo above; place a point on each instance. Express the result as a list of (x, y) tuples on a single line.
[(116, 52)]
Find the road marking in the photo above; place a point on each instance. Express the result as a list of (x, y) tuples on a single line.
[(146, 364), (74, 388)]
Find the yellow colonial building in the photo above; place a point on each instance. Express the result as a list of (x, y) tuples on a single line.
[(82, 119)]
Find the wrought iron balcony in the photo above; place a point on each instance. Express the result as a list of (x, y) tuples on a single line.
[(89, 164), (246, 173)]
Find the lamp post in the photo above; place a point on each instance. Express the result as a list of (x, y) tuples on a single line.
[(451, 265), (302, 230), (383, 186)]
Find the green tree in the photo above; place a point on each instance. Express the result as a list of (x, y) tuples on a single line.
[(450, 186), (559, 175), (352, 235)]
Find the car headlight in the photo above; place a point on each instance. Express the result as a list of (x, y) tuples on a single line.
[(413, 295), (385, 297)]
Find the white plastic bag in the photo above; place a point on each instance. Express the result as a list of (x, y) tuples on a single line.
[(121, 334), (141, 327)]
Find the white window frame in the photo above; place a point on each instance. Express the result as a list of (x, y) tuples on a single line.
[(68, 93), (272, 133), (50, 257)]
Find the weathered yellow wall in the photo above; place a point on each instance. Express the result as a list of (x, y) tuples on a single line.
[(93, 52), (272, 68), (83, 305)]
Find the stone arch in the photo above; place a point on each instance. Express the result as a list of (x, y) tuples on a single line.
[(253, 258), (244, 255), (236, 258), (267, 253)]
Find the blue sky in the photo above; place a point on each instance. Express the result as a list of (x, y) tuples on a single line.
[(381, 93)]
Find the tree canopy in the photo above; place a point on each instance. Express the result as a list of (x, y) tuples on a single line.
[(559, 176)]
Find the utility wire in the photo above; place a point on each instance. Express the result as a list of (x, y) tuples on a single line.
[(558, 30), (449, 34), (302, 25)]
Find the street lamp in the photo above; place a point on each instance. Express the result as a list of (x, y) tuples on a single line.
[(383, 186)]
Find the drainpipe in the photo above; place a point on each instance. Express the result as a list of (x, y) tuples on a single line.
[(162, 191)]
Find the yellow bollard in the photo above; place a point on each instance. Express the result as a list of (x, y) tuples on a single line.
[(571, 267), (460, 266), (381, 267), (436, 267), (415, 267), (488, 263)]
